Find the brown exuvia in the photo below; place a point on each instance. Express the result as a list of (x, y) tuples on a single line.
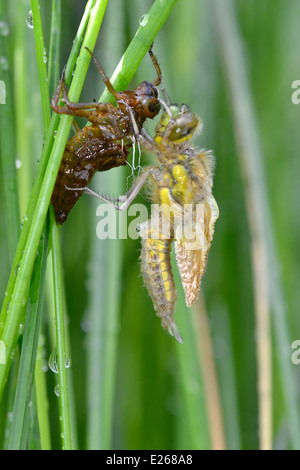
[(106, 142)]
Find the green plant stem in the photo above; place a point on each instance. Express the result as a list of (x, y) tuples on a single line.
[(60, 336), (19, 428), (22, 282)]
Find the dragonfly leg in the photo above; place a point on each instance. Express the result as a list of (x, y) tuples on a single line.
[(123, 202), (75, 109)]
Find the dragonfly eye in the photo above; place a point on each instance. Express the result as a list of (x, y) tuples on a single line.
[(184, 127)]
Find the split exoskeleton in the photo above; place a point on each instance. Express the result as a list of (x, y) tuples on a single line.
[(106, 142)]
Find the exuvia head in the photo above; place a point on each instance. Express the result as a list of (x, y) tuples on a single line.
[(177, 123), (143, 100), (147, 103)]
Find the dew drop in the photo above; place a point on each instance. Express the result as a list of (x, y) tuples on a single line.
[(3, 64), (29, 20), (4, 29), (68, 362), (56, 390), (17, 269), (53, 362), (18, 164), (144, 20), (45, 58)]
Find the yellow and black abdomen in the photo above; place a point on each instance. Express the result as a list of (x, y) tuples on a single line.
[(158, 277)]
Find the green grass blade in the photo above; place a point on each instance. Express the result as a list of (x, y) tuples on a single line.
[(19, 428), (7, 146), (209, 374), (54, 48), (22, 282), (23, 61), (42, 68), (49, 139), (223, 350), (60, 337), (42, 396)]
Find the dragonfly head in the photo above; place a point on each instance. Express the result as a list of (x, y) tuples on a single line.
[(181, 127)]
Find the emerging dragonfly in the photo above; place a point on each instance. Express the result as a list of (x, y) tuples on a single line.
[(180, 186), (106, 142)]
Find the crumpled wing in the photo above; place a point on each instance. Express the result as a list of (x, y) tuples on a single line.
[(191, 256)]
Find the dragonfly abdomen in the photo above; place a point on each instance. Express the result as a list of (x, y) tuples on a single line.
[(158, 278)]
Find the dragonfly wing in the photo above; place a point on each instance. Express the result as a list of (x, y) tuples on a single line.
[(191, 254)]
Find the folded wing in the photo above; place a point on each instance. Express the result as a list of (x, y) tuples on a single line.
[(192, 251)]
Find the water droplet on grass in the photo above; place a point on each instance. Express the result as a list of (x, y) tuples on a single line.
[(144, 20), (29, 20), (52, 362), (68, 362), (45, 58)]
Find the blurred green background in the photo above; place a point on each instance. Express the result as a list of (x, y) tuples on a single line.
[(149, 393)]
